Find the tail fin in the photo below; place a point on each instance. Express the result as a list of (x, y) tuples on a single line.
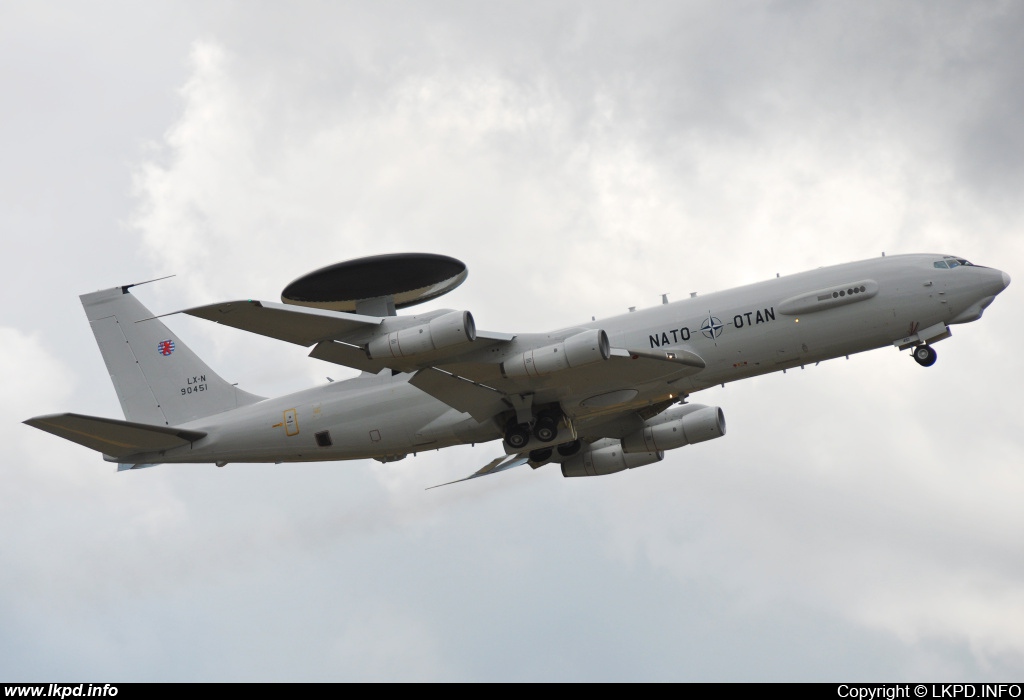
[(158, 379)]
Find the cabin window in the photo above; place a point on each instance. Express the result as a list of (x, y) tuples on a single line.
[(941, 264)]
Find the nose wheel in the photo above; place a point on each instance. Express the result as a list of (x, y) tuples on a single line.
[(924, 355)]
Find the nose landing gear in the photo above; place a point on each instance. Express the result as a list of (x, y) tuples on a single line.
[(925, 355)]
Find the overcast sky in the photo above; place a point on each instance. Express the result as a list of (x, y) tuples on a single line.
[(862, 519)]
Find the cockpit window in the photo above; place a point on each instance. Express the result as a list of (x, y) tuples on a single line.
[(950, 261)]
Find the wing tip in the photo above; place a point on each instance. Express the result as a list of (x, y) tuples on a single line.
[(496, 465)]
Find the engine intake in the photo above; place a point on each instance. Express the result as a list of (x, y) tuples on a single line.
[(445, 331), (684, 425), (607, 460), (575, 351)]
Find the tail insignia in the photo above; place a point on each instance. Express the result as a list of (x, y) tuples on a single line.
[(165, 347)]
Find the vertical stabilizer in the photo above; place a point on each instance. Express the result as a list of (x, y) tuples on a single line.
[(158, 379)]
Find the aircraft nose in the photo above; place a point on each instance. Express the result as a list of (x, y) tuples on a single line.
[(1006, 280)]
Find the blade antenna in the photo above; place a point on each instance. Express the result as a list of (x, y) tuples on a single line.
[(126, 287)]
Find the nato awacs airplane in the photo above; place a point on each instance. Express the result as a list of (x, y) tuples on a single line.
[(597, 398)]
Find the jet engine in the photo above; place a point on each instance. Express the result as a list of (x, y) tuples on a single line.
[(608, 459), (445, 331), (575, 351), (682, 425)]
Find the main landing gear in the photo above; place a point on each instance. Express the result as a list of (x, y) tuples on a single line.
[(566, 449), (925, 355), (545, 429), (540, 456), (517, 434)]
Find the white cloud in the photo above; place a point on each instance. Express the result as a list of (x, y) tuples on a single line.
[(861, 514)]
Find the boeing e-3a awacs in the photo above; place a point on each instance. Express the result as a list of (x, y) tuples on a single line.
[(598, 397)]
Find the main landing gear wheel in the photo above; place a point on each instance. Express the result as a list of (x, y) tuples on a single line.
[(925, 355), (546, 428), (567, 449), (517, 435), (540, 456)]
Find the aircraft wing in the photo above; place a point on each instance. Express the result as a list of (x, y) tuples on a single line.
[(468, 376), (478, 400), (302, 326), (479, 389), (622, 371), (337, 336), (474, 383), (117, 438), (498, 464)]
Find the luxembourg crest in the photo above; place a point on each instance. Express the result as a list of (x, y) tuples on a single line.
[(165, 347)]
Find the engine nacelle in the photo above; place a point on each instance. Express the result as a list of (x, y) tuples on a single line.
[(575, 351), (445, 331), (607, 460), (671, 430)]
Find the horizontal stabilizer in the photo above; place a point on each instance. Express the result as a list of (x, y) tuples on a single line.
[(498, 464), (288, 323), (117, 438)]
